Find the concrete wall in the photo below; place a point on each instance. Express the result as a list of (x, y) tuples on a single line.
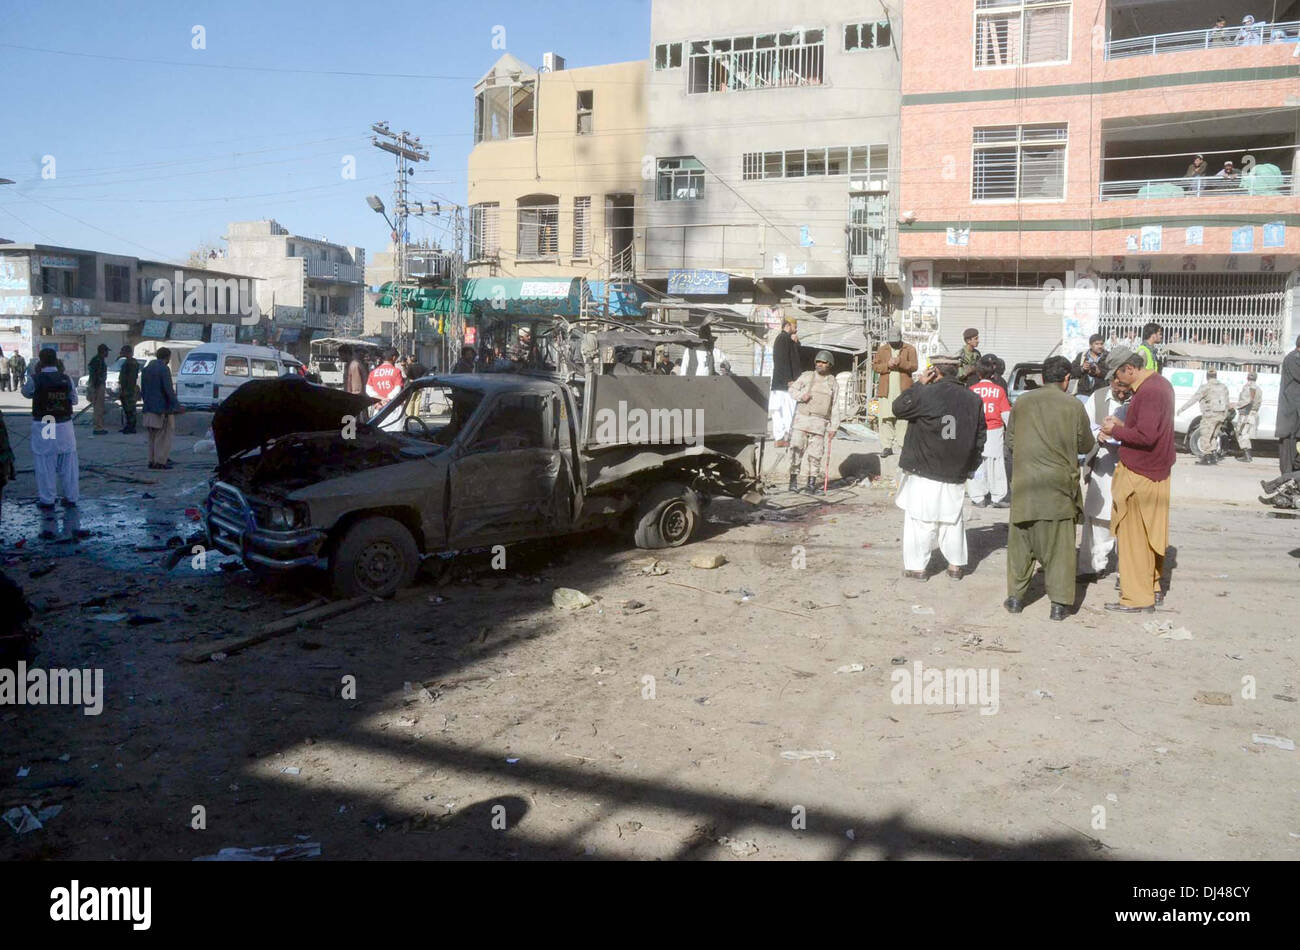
[(750, 226)]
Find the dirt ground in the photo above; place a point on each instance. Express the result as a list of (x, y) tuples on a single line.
[(488, 723)]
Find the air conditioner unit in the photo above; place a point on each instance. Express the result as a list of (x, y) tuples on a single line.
[(552, 62)]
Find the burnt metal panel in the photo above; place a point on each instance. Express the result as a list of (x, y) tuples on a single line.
[(716, 405)]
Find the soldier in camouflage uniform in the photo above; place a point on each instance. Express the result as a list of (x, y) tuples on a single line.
[(1213, 397), (1248, 403), (816, 417)]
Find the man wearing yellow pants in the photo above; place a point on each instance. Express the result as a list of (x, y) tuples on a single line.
[(1140, 517)]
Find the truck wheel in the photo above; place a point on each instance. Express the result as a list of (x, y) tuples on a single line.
[(666, 517), (1194, 440), (377, 556)]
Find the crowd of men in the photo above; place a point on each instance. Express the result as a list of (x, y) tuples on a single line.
[(955, 427)]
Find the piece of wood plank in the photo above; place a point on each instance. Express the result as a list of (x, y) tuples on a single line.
[(275, 629)]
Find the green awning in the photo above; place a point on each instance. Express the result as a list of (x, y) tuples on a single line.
[(423, 299)]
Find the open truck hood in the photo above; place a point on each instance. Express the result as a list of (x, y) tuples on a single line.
[(265, 409)]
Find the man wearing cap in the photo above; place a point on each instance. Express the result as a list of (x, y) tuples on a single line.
[(816, 417), (1249, 400), (1140, 511), (1048, 431), (895, 361), (1213, 397), (944, 447), (521, 351), (970, 356), (785, 370)]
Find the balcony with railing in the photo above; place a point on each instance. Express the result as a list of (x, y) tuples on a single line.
[(1240, 155), (318, 269), (1228, 36)]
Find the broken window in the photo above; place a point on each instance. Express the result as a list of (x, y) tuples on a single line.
[(484, 230), (1021, 32), (585, 110), (503, 112), (793, 58), (680, 179), (668, 56), (538, 227), (117, 283), (1012, 161), (860, 36), (514, 421)]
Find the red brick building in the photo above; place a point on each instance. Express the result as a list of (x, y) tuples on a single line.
[(1048, 138)]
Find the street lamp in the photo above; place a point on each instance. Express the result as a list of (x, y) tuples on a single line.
[(377, 206)]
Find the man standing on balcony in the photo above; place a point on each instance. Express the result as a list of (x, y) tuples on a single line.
[(1219, 35), (785, 370), (895, 361), (1197, 168)]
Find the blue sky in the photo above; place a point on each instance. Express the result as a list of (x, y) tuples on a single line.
[(151, 159)]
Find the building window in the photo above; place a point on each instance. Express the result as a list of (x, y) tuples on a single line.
[(538, 228), (58, 281), (484, 231), (117, 283), (1019, 162), (668, 56), (680, 179), (1021, 32), (586, 100), (862, 161), (766, 61), (503, 112), (859, 36), (582, 227)]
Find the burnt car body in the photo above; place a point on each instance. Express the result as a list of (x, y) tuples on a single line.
[(458, 462)]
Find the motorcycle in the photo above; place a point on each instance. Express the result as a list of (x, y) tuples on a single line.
[(1225, 443)]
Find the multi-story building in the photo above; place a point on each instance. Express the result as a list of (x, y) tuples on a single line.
[(75, 299), (773, 133), (555, 169), (1049, 185), (307, 286)]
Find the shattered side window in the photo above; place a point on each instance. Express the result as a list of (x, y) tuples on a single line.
[(515, 421)]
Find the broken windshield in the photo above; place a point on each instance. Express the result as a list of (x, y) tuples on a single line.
[(434, 412)]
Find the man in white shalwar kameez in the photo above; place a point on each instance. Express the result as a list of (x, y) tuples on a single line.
[(54, 441), (943, 446), (1097, 542)]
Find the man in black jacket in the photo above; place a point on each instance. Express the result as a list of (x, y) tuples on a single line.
[(785, 370), (943, 448), (1089, 368)]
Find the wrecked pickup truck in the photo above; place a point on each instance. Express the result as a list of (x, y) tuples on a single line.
[(460, 462)]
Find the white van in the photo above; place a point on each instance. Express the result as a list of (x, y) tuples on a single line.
[(1185, 366), (213, 371)]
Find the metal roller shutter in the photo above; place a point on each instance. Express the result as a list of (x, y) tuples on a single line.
[(1012, 322)]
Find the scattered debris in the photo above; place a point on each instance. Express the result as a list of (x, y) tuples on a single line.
[(291, 770), (1112, 798), (1043, 693), (898, 660), (798, 755), (271, 852), (851, 668), (708, 562), (1284, 697), (24, 821), (511, 761), (651, 567), (569, 599), (23, 771), (741, 849), (849, 834), (924, 611), (1165, 630), (41, 571), (744, 593), (224, 648), (1213, 699), (1280, 742)]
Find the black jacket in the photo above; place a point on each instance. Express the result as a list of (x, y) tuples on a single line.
[(945, 432), (1088, 384), (785, 361)]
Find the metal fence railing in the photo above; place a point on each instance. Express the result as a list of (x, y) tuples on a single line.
[(1209, 187), (1257, 34)]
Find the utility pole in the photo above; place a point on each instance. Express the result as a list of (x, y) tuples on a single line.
[(408, 150), (456, 325)]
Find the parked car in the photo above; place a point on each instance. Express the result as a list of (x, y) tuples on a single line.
[(468, 461), (212, 372), (110, 385)]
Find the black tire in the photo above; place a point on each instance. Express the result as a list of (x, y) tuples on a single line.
[(1194, 440), (667, 516), (377, 556)]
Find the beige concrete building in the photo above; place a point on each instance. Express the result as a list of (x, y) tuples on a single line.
[(304, 283), (556, 169)]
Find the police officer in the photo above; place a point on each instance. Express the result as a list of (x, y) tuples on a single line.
[(128, 388), (816, 417), (1248, 403), (1213, 397)]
